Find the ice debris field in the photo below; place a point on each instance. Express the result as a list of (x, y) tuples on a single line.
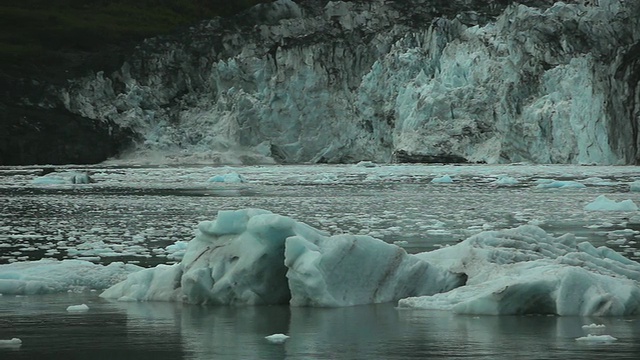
[(244, 255)]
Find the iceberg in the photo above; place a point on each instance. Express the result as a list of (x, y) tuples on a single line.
[(444, 179), (559, 184), (603, 203), (527, 271), (53, 276), (63, 178), (253, 257), (11, 343)]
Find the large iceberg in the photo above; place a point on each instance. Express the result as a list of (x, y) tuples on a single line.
[(527, 271), (251, 257)]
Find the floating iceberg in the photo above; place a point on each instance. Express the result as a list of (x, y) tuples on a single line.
[(277, 338), (78, 308), (603, 203), (63, 178), (15, 342), (444, 179), (527, 271), (558, 184), (593, 326), (505, 180), (248, 257), (251, 257), (53, 276), (597, 338)]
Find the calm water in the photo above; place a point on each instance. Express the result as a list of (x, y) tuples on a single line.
[(133, 214), (116, 330)]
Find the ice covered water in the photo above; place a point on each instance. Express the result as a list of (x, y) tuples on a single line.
[(135, 215)]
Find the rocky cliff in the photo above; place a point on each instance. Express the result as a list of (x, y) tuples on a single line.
[(416, 80)]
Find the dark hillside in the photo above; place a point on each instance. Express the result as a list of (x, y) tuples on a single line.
[(41, 38), (46, 42)]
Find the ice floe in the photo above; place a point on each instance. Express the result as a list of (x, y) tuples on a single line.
[(14, 342), (444, 179), (61, 178), (603, 203), (558, 184), (78, 308), (527, 271), (277, 338), (505, 180), (53, 276), (596, 338), (232, 177)]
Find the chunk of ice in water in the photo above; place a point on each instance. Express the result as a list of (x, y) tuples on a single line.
[(277, 338), (78, 308)]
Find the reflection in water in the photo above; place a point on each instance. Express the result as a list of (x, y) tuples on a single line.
[(155, 330)]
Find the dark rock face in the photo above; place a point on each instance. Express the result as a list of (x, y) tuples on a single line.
[(53, 136), (402, 156)]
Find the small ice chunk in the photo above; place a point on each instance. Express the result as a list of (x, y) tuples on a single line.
[(557, 184), (368, 164), (635, 186), (277, 338), (78, 308), (593, 326), (445, 179), (506, 180), (15, 342), (597, 338), (232, 177)]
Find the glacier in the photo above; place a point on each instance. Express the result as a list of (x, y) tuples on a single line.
[(255, 257), (383, 81)]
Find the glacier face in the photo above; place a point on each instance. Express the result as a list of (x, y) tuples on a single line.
[(318, 81)]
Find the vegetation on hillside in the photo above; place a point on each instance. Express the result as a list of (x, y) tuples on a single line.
[(36, 34)]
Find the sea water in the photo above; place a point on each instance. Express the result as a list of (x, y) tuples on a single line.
[(132, 214)]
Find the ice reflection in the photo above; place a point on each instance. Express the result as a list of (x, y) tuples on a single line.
[(374, 332)]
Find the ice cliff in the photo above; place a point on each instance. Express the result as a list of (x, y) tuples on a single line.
[(428, 81)]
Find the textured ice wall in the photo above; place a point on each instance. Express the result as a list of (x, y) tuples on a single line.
[(337, 82), (527, 271), (253, 257)]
